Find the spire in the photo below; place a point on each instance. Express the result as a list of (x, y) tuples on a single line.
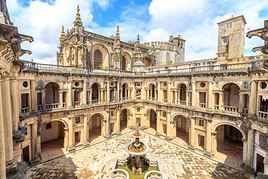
[(138, 39), (78, 21), (117, 36), (62, 34)]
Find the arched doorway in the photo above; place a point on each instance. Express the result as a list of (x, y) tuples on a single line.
[(95, 93), (229, 144), (98, 59), (153, 119), (52, 139), (123, 119), (231, 97), (182, 128), (95, 126), (52, 95)]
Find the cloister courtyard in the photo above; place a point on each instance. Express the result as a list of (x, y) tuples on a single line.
[(98, 159)]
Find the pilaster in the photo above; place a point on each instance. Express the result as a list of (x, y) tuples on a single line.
[(2, 138)]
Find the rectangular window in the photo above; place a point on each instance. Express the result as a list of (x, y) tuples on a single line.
[(201, 141), (164, 114), (138, 109), (77, 119), (229, 25)]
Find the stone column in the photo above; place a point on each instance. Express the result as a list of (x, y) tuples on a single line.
[(118, 93), (192, 133), (44, 98), (253, 99), (214, 142), (169, 125), (90, 96), (194, 95), (70, 95), (86, 130), (208, 138), (159, 127), (66, 139), (71, 133), (245, 149), (159, 96), (108, 92), (7, 124), (169, 93), (210, 96), (60, 99), (250, 148), (33, 94), (241, 102), (84, 94), (221, 103), (15, 104), (265, 162), (176, 97), (34, 139), (2, 138), (107, 129), (117, 121)]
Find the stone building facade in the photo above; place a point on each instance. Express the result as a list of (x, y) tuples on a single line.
[(102, 85)]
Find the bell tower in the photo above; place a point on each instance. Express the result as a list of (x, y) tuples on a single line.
[(231, 38)]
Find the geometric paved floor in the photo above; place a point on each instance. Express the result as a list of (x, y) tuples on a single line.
[(98, 160)]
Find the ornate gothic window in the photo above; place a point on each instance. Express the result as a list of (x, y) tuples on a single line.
[(97, 59)]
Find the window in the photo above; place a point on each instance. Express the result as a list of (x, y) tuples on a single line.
[(225, 39), (48, 125), (164, 114), (263, 85), (138, 109), (201, 123), (229, 25), (97, 59), (77, 119)]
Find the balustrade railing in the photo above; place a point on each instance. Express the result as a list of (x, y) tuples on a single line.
[(253, 65), (216, 106), (231, 109), (202, 105), (263, 116), (245, 110), (52, 106), (76, 103), (25, 110)]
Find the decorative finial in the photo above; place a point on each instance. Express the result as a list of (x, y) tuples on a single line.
[(117, 36), (137, 130), (78, 21), (62, 29), (138, 38)]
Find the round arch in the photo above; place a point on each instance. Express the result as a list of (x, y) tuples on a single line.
[(182, 128), (51, 94), (103, 57), (152, 118), (126, 62), (229, 143), (95, 92), (124, 116), (96, 125)]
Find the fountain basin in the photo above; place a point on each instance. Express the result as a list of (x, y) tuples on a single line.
[(137, 151)]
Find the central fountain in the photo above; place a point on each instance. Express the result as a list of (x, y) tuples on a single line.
[(137, 151), (136, 165)]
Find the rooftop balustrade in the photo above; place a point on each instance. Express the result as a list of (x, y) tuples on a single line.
[(179, 69)]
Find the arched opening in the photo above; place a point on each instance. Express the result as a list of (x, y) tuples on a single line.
[(124, 91), (182, 128), (152, 92), (95, 93), (229, 144), (153, 119), (182, 94), (231, 97), (147, 62), (98, 59), (124, 64), (123, 119), (52, 139), (95, 126), (52, 95)]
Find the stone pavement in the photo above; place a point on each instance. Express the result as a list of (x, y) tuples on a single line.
[(98, 161)]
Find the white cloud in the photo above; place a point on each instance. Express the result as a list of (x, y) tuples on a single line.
[(195, 20), (43, 21)]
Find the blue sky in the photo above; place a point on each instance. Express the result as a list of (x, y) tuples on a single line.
[(195, 20)]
